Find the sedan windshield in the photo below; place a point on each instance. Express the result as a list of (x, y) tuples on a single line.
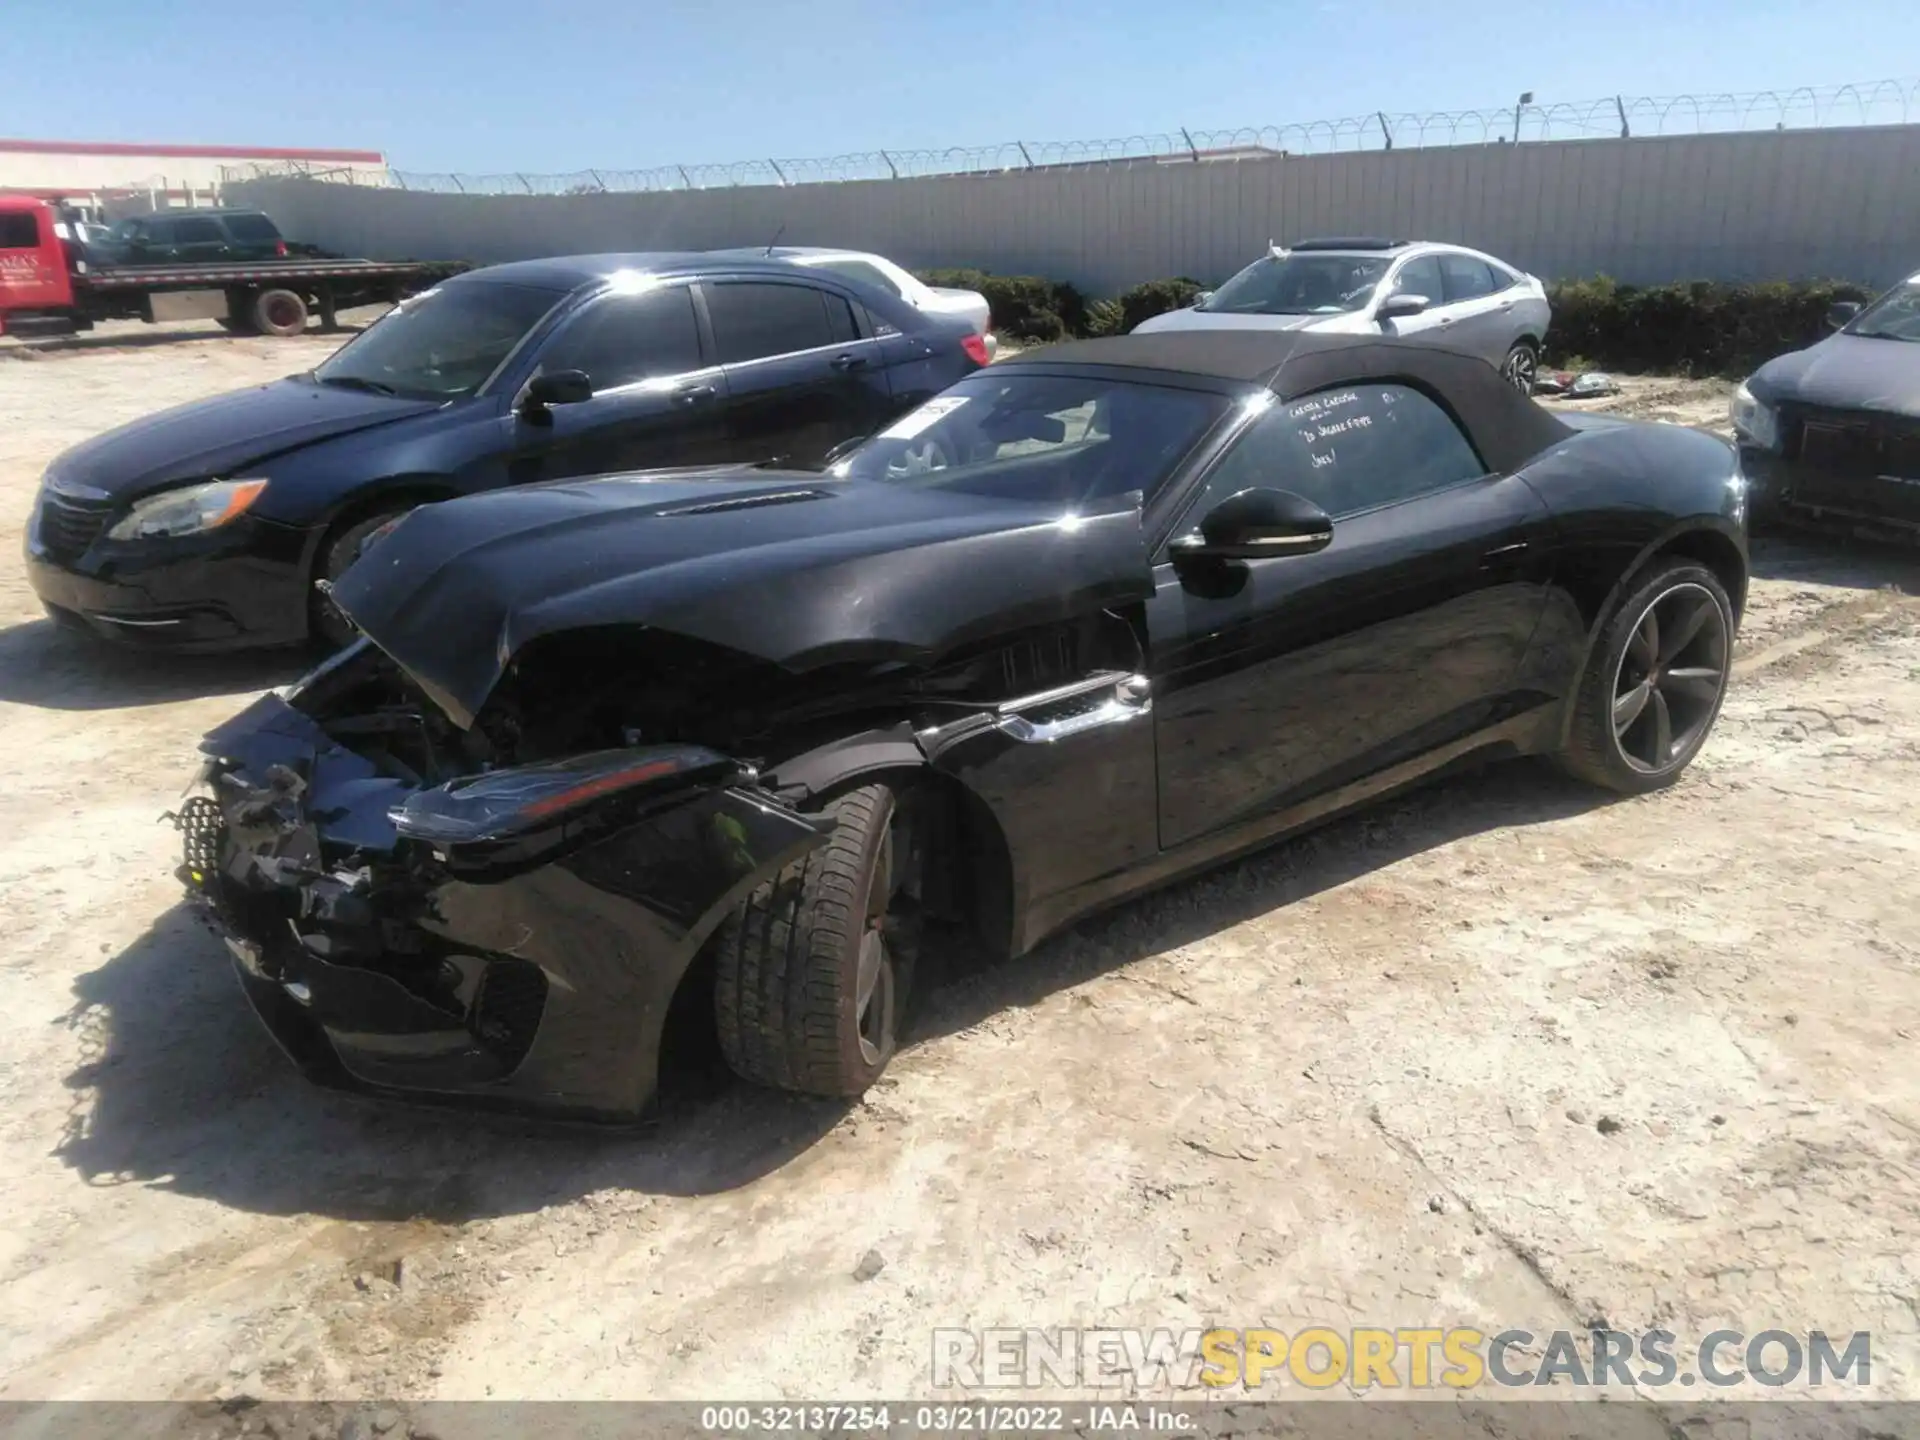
[(1055, 439), (1894, 316), (1299, 284), (440, 345)]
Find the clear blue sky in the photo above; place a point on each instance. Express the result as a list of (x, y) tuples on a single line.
[(562, 85)]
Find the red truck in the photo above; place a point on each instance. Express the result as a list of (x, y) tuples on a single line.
[(48, 285)]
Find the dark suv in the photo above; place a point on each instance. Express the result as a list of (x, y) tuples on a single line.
[(205, 527), (191, 237)]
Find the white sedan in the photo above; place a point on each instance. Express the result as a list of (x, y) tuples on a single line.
[(1417, 290), (883, 273)]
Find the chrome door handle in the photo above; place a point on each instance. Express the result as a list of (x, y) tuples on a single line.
[(694, 394)]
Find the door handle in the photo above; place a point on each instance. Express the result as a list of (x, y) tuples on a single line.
[(1502, 556), (694, 394), (849, 362)]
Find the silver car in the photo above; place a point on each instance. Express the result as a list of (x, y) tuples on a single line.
[(894, 279), (1446, 294)]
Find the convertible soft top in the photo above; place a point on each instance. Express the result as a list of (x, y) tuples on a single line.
[(1506, 427)]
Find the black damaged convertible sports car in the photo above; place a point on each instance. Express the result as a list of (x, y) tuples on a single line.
[(1086, 622)]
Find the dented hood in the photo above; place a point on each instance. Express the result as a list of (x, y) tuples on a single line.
[(796, 568)]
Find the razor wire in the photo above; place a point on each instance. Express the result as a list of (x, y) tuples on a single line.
[(1877, 102)]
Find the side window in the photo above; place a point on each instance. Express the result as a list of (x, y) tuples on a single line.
[(623, 338), (1466, 277), (840, 322), (198, 232), (156, 232), (252, 227), (1420, 276), (1347, 450), (752, 321), (19, 231)]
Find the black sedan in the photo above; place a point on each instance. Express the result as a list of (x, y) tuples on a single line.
[(1831, 434), (206, 527), (1087, 621)]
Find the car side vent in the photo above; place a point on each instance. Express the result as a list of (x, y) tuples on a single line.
[(506, 1012), (746, 502)]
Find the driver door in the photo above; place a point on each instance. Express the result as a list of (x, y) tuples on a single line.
[(1280, 681), (656, 401), (1420, 276)]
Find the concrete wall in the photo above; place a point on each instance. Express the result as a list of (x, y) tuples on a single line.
[(1842, 203)]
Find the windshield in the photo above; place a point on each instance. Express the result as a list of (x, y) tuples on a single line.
[(1300, 284), (1894, 316), (1055, 439), (440, 345)]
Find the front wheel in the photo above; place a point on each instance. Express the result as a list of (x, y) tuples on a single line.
[(1654, 683), (812, 974), (1521, 365), (340, 551)]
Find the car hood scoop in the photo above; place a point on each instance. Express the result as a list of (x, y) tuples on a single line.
[(783, 567)]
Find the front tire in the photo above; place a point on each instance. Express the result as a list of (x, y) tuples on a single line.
[(1654, 683), (339, 551), (812, 974)]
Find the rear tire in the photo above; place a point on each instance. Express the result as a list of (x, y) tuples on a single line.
[(1654, 684), (338, 552), (1521, 366), (812, 974), (280, 312)]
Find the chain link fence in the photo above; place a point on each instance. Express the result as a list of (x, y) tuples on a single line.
[(1878, 102)]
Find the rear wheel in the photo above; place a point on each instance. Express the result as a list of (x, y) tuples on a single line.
[(812, 974), (279, 312), (1521, 365), (340, 550), (1655, 682)]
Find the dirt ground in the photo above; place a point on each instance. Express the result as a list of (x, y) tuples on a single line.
[(1501, 1055)]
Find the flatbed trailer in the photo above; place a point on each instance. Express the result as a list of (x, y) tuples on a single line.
[(49, 286)]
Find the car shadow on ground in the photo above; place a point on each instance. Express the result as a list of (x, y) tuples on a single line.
[(182, 1088), (53, 668), (146, 339), (1816, 558)]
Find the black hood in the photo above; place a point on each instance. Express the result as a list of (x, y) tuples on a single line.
[(217, 438), (795, 568), (1846, 372)]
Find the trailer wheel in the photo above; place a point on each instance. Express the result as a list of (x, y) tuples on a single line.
[(279, 312)]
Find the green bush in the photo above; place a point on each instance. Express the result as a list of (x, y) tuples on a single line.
[(1699, 327), (1025, 307), (1155, 297)]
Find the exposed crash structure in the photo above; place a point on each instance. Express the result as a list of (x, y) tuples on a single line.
[(1030, 650)]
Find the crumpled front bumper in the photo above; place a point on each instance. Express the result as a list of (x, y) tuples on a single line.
[(527, 969)]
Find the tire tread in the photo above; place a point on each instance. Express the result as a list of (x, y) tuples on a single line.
[(783, 988)]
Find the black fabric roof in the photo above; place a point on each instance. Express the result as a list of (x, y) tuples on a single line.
[(1506, 427)]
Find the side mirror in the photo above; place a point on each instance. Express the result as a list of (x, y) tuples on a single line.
[(1200, 299), (561, 387), (1841, 311), (1396, 307), (1256, 524)]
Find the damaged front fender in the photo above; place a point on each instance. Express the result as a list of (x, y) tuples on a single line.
[(513, 939)]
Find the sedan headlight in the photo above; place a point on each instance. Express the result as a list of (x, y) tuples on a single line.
[(1755, 421), (188, 510)]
